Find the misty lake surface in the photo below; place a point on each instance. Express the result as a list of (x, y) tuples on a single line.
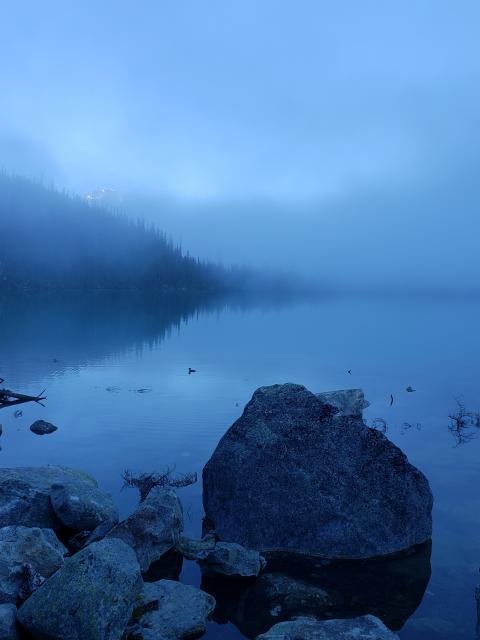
[(115, 370)]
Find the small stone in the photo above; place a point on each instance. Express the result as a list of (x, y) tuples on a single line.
[(170, 610), (42, 428), (363, 628), (233, 560), (195, 549), (348, 402)]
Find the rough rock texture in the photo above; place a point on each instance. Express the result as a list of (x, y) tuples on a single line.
[(8, 625), (20, 546), (154, 528), (82, 506), (195, 549), (349, 402), (291, 475), (364, 628), (231, 559), (170, 610), (90, 598), (25, 494), (42, 428)]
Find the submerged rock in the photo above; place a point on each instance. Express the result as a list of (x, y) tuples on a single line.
[(90, 598), (25, 494), (154, 528), (42, 428), (291, 474), (364, 628), (170, 610), (24, 554), (82, 506), (231, 559), (8, 625), (348, 402), (390, 588)]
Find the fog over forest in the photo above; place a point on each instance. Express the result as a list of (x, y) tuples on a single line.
[(336, 141)]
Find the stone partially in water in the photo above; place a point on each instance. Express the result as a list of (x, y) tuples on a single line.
[(154, 528), (348, 402), (233, 560), (170, 610), (90, 598), (364, 628), (42, 428), (82, 507), (25, 494), (291, 474), (21, 546)]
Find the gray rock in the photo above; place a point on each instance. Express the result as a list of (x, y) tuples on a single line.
[(90, 598), (291, 475), (25, 494), (170, 610), (349, 402), (364, 628), (231, 559), (42, 428), (8, 625), (21, 546), (154, 528), (195, 549), (82, 506)]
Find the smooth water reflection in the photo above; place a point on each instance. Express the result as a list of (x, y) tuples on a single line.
[(77, 347)]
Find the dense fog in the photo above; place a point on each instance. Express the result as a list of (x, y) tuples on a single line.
[(335, 141)]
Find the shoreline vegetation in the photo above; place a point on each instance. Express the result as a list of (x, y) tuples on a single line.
[(51, 240)]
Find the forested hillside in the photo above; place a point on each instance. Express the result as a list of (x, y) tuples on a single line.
[(50, 239)]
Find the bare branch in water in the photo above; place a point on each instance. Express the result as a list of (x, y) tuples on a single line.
[(464, 424), (146, 481)]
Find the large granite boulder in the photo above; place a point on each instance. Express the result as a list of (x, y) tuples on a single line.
[(25, 494), (364, 628), (91, 597), (154, 528), (81, 506), (169, 610), (291, 474), (8, 624), (25, 552)]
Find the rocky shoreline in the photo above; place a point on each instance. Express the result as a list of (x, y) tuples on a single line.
[(314, 522)]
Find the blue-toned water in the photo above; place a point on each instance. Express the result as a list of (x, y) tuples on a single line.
[(78, 346)]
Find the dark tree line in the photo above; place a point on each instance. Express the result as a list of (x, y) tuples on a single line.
[(51, 240)]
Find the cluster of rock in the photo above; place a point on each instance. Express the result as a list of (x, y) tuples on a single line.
[(296, 473)]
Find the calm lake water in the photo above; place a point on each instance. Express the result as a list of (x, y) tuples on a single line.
[(93, 353)]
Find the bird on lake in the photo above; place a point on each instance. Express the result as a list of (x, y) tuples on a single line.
[(349, 371), (391, 399), (410, 389), (190, 370)]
